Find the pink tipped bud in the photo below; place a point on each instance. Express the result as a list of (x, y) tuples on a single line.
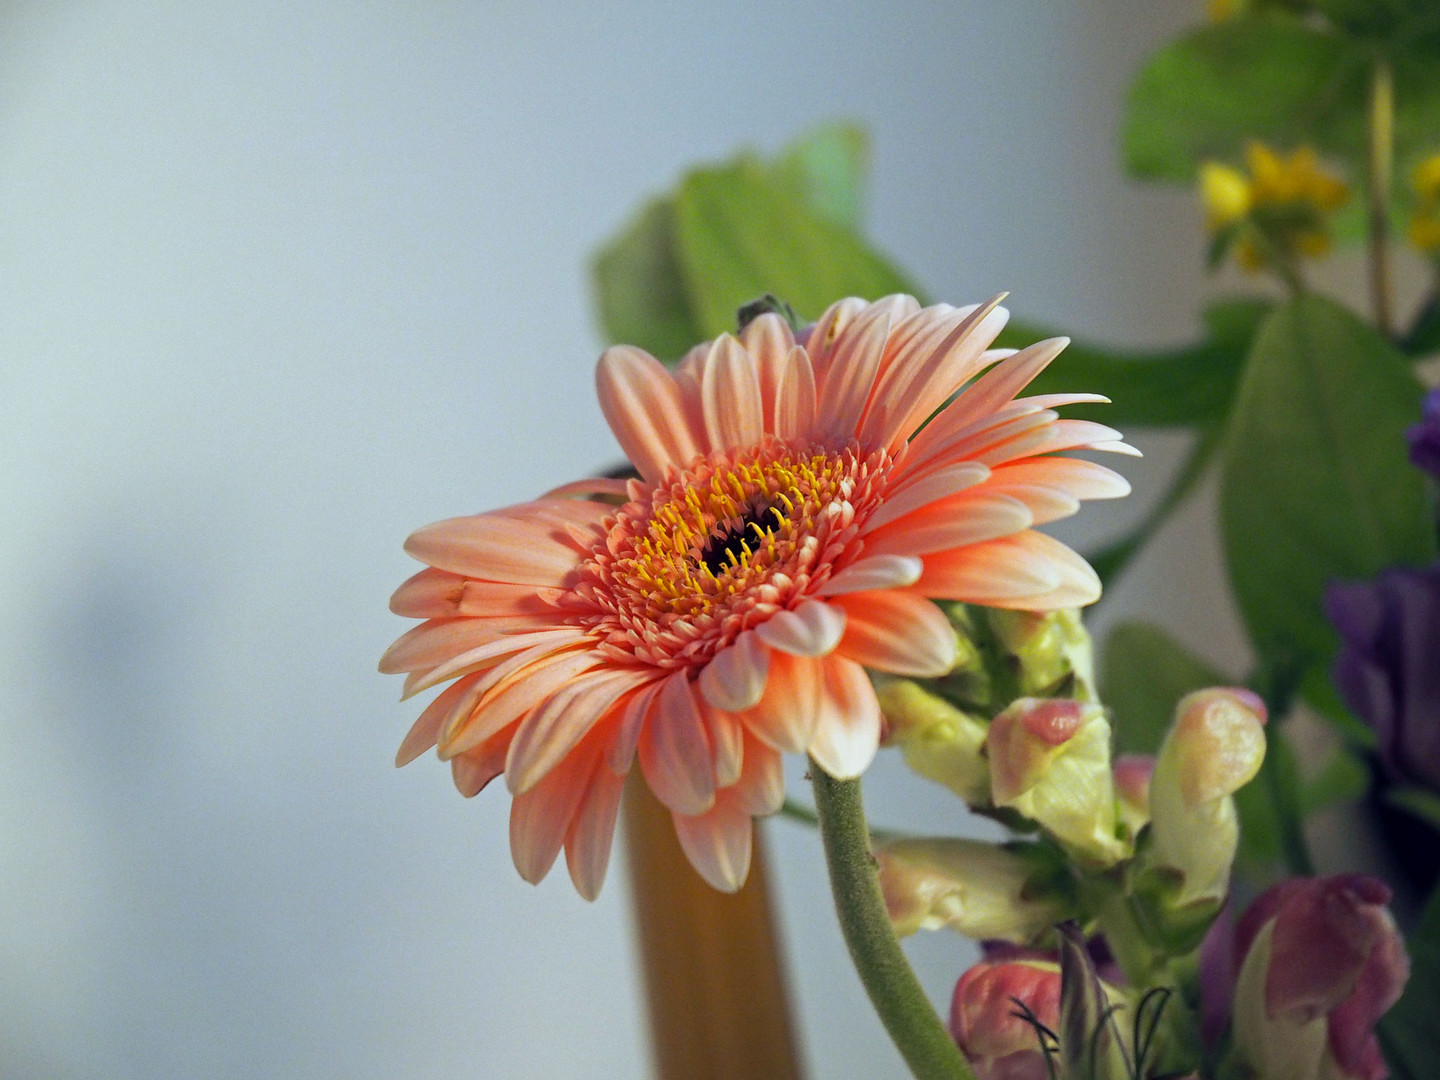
[(1220, 735), (1050, 760), (989, 1025), (1132, 789), (1321, 961)]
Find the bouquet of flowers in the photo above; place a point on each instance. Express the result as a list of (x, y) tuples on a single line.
[(827, 542)]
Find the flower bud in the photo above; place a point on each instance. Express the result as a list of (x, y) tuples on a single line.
[(938, 741), (986, 891), (1050, 760), (1051, 652), (1320, 961), (1132, 790), (991, 1028), (1215, 747)]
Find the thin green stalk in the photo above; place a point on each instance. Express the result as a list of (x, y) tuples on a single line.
[(896, 994), (1382, 156)]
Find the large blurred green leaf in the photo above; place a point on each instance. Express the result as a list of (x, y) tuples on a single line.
[(639, 291), (741, 234), (1144, 673), (1315, 485), (1274, 79), (826, 170)]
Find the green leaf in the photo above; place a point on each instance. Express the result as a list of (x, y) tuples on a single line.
[(1164, 388), (639, 291), (1144, 673), (1343, 778), (1272, 79), (740, 235), (1408, 1032), (1421, 802), (1315, 485), (826, 170)]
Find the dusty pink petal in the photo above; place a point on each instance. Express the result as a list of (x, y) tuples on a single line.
[(620, 751), (812, 629), (717, 842), (426, 729), (587, 847), (555, 727), (496, 548), (850, 378), (910, 495), (727, 743), (473, 770), (821, 339), (967, 518), (873, 572), (794, 410), (898, 632), (847, 732), (919, 384), (996, 573), (675, 751), (512, 699), (735, 679), (644, 408), (731, 395), (785, 717), (540, 818)]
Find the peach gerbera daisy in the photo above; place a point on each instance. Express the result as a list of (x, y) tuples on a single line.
[(789, 529)]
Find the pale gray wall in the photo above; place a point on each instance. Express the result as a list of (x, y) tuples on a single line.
[(279, 283)]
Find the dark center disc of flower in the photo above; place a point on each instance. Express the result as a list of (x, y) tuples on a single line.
[(733, 543)]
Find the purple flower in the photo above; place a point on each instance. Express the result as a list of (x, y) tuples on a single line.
[(1388, 667), (1424, 437)]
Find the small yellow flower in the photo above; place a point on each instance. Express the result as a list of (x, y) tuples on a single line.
[(1425, 223), (1222, 11), (1279, 210)]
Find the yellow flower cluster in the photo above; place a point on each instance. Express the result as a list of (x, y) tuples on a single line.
[(1425, 223), (1279, 210)]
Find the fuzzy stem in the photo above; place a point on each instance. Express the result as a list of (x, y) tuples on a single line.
[(1382, 153), (896, 994)]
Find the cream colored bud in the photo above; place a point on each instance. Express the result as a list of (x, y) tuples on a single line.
[(982, 890), (1052, 651), (1050, 760), (937, 740)]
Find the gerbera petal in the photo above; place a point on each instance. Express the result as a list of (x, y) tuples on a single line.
[(540, 818), (493, 653), (675, 749), (794, 413), (592, 832), (439, 641), (897, 632), (967, 518), (769, 342), (850, 378), (821, 338), (493, 547), (847, 733), (1052, 437), (473, 770), (761, 790), (439, 594), (926, 489), (1082, 479), (593, 485), (727, 743), (873, 572), (426, 730), (1020, 572), (644, 408), (1000, 385), (512, 699), (554, 727), (812, 629), (731, 395), (620, 751), (735, 679), (785, 717), (717, 842)]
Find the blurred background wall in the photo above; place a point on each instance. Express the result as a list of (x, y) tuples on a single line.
[(280, 283)]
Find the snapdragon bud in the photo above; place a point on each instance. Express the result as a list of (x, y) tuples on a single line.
[(1050, 760), (987, 1022), (1215, 747), (1132, 790), (1014, 892), (1320, 961), (1051, 652), (938, 740)]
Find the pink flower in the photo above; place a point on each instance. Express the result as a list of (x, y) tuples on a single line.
[(1320, 961), (987, 1021), (788, 531)]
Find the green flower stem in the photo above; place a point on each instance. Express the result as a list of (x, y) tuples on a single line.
[(1382, 155), (902, 1005)]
